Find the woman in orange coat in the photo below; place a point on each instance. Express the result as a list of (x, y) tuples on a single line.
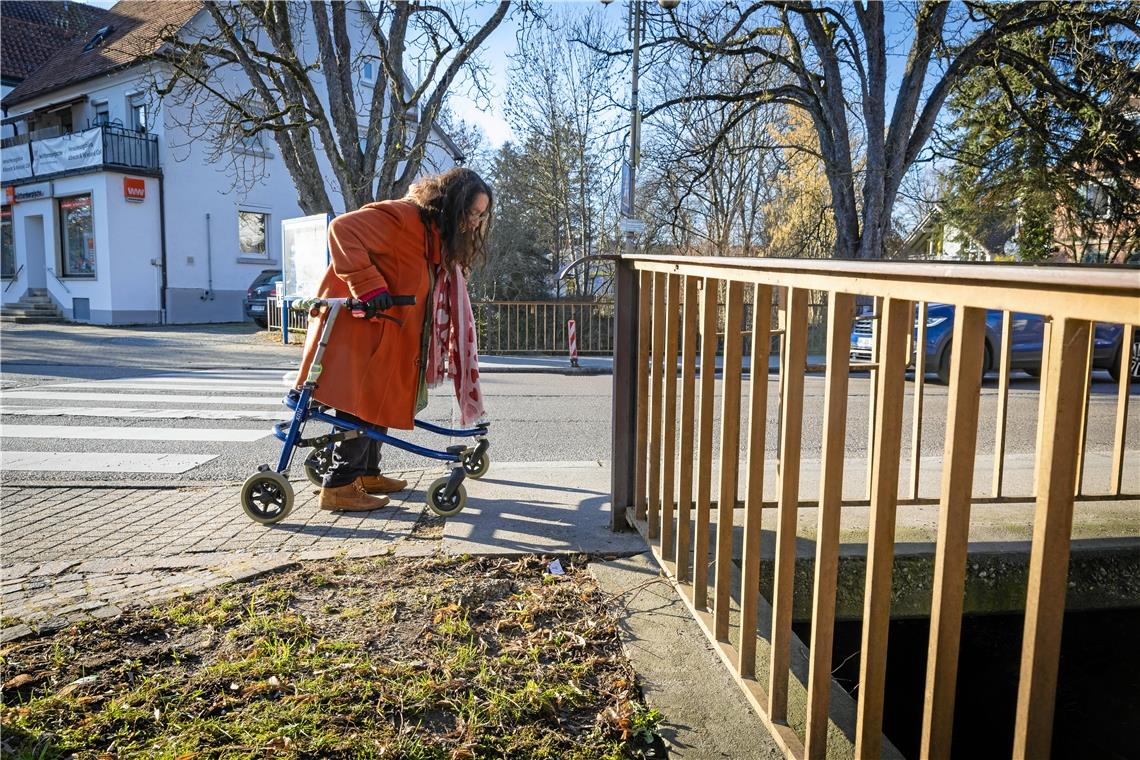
[(373, 369)]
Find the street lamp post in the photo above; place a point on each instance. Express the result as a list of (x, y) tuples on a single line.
[(635, 121), (626, 298)]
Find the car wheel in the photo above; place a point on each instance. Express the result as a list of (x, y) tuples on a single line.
[(263, 324), (944, 364), (1133, 360)]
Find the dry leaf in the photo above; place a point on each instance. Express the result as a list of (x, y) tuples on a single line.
[(16, 682)]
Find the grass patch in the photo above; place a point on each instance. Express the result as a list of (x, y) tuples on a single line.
[(429, 658)]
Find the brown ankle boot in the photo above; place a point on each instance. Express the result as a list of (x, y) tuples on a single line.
[(382, 484), (350, 498)]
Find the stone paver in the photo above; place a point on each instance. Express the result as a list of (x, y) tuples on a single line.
[(77, 553), (84, 552), (548, 508)]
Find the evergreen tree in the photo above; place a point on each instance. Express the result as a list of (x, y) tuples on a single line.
[(1049, 122)]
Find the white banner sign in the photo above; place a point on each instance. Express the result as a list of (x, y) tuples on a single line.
[(305, 254), (74, 151), (17, 163)]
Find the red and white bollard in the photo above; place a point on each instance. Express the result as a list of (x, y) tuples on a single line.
[(573, 333)]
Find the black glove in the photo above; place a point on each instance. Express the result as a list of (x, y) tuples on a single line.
[(374, 305)]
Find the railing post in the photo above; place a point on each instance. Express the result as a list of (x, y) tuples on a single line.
[(1066, 359), (896, 321), (791, 437), (966, 360), (625, 374), (841, 310)]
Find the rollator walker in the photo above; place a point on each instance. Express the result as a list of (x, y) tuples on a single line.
[(267, 495)]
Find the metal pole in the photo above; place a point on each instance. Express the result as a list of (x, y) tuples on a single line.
[(625, 333)]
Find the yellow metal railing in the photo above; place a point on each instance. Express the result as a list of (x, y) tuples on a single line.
[(506, 327), (676, 310)]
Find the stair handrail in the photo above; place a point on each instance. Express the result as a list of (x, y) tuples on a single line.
[(15, 277), (51, 271)]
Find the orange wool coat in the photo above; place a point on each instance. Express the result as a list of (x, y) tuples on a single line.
[(372, 369)]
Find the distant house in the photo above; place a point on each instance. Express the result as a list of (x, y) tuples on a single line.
[(937, 238), (112, 208)]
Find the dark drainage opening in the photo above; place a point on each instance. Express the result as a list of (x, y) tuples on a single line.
[(1098, 688), (81, 309)]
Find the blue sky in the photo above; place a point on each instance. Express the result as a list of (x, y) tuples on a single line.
[(490, 116)]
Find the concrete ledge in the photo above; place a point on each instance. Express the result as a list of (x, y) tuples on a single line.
[(705, 715)]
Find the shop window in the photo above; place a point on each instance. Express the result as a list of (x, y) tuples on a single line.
[(77, 235), (251, 233), (7, 244)]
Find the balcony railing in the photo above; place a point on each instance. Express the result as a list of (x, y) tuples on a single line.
[(129, 148), (668, 309), (50, 153)]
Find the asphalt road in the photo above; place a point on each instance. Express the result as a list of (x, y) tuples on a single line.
[(225, 381)]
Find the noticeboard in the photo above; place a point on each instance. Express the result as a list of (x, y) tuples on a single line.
[(305, 254)]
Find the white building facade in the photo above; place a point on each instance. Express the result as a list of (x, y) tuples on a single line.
[(120, 215)]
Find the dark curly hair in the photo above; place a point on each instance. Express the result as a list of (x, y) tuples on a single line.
[(444, 200)]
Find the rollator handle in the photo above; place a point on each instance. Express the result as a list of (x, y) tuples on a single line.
[(312, 304)]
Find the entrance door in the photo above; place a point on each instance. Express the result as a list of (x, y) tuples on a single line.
[(34, 245)]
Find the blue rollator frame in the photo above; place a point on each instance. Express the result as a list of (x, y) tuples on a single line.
[(267, 495)]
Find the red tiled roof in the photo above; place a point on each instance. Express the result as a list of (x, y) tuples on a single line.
[(136, 26), (32, 31)]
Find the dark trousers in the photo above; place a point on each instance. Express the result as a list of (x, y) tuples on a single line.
[(354, 457)]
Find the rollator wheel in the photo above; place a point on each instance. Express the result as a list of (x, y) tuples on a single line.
[(476, 467), (440, 504), (267, 497), (317, 464)]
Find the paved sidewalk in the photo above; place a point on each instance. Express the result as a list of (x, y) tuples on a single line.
[(77, 552)]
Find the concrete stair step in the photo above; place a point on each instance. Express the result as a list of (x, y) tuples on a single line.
[(32, 306), (5, 317)]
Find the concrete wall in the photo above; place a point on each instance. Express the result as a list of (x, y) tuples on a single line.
[(135, 245)]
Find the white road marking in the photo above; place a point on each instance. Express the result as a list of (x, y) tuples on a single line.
[(112, 433), (45, 461), (205, 386), (126, 412), (160, 398)]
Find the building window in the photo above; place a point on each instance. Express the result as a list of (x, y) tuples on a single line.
[(1096, 200), (254, 141), (368, 72), (102, 114), (77, 225), (7, 244), (251, 233), (249, 128), (136, 113)]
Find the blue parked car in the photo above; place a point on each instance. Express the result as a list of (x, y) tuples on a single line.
[(1025, 354)]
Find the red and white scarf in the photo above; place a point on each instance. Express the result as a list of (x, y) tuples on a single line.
[(453, 349)]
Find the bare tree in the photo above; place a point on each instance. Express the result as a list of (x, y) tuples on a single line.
[(294, 71), (561, 107), (830, 61), (718, 191)]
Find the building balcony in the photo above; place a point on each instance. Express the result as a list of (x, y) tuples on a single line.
[(39, 156)]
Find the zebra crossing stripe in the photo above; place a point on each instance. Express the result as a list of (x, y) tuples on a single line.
[(125, 412), (115, 433), (70, 461), (134, 398), (205, 386)]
